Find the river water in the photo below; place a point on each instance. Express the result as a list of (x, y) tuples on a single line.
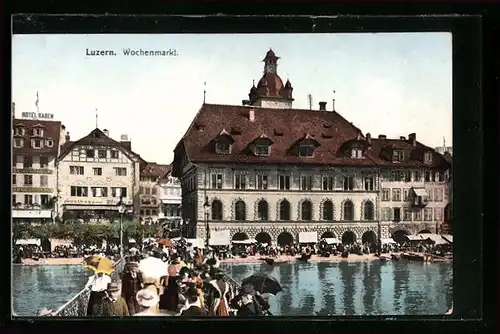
[(343, 288), (356, 288)]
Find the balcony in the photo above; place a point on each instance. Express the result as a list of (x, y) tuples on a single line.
[(33, 171), (31, 189), (419, 198)]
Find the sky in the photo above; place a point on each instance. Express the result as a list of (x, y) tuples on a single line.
[(385, 83)]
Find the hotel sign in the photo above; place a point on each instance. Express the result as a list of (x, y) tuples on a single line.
[(38, 115), (95, 202)]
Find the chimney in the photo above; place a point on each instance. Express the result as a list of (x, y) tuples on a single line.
[(402, 138), (245, 102), (369, 138), (251, 115), (412, 137), (322, 106), (106, 132), (67, 136), (382, 137)]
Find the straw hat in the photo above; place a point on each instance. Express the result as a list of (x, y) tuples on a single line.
[(147, 298)]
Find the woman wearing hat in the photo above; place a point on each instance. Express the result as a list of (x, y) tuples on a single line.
[(131, 284), (220, 295), (148, 302), (97, 284)]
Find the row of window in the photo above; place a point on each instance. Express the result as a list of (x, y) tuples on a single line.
[(327, 211), (78, 191), (28, 162), (28, 180), (306, 210), (406, 214), (414, 176), (168, 212), (35, 143), (99, 153), (32, 199), (21, 131), (80, 170), (148, 212), (147, 190), (434, 195)]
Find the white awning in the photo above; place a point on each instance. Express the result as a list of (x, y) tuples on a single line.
[(29, 242), (420, 192), (332, 241), (436, 238), (414, 237), (27, 214), (220, 238), (308, 237), (387, 241), (131, 241), (245, 242), (198, 242), (447, 237)]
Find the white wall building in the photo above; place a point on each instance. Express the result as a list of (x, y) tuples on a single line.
[(170, 194), (149, 193), (93, 173), (36, 145)]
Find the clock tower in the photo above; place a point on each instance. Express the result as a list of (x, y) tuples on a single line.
[(270, 91)]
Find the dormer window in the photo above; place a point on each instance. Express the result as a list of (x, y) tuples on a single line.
[(306, 150), (49, 143), (222, 147), (356, 152), (428, 157), (262, 149), (37, 143), (18, 142), (19, 131), (262, 145), (398, 155), (38, 132)]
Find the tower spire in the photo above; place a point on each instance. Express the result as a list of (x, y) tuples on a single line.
[(204, 91), (36, 102), (96, 119), (333, 100)]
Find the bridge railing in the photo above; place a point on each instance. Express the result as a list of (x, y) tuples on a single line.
[(77, 306)]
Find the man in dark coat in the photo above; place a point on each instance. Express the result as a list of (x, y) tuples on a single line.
[(131, 284), (193, 306)]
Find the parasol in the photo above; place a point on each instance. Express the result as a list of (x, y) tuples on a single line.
[(165, 242), (263, 283), (99, 264)]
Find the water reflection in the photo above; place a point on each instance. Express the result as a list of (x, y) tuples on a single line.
[(350, 288), (36, 287)]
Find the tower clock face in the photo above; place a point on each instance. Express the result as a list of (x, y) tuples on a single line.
[(271, 69)]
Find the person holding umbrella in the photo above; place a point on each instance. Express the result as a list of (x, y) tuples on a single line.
[(249, 302), (97, 283)]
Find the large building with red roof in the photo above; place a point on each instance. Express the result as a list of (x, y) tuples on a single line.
[(35, 147), (266, 171)]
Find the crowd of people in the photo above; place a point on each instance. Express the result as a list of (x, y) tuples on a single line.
[(172, 281), (35, 252)]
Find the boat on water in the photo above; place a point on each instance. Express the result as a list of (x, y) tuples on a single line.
[(413, 257)]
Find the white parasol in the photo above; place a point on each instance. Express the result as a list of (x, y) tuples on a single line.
[(153, 267)]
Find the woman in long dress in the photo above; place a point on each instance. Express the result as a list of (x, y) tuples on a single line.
[(220, 295)]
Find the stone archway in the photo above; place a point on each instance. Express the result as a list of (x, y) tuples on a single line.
[(399, 236), (239, 236), (285, 239), (348, 238), (263, 238), (369, 237), (424, 232), (328, 234)]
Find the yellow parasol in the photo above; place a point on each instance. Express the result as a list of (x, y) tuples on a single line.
[(99, 264)]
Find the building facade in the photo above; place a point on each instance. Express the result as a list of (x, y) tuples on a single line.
[(170, 197), (266, 171), (36, 145), (93, 173), (149, 192)]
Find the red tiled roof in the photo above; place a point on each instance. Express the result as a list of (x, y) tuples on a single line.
[(154, 169), (286, 127), (97, 138), (51, 130)]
